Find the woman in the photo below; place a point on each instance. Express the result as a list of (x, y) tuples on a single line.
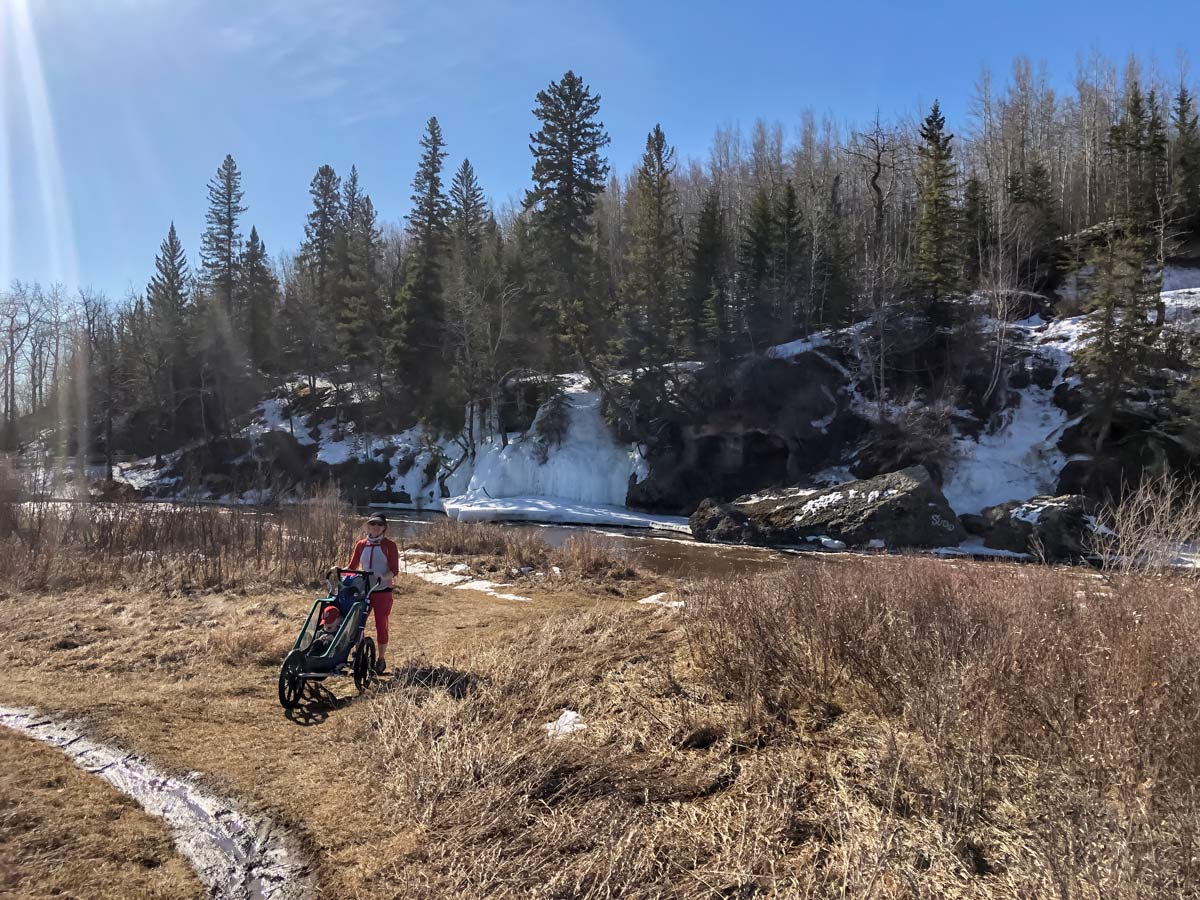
[(379, 556)]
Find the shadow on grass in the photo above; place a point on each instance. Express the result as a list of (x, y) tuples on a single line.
[(455, 683), (316, 705)]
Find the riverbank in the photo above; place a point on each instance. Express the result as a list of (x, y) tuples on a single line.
[(886, 726)]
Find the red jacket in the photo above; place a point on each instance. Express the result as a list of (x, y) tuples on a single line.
[(390, 553)]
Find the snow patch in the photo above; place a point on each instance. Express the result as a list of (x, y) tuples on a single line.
[(237, 856), (568, 722)]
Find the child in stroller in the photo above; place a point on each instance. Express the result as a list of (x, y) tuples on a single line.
[(331, 618)]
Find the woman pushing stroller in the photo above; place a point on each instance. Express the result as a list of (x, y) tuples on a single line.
[(378, 555)]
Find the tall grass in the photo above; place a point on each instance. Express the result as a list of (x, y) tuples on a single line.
[(173, 546), (584, 556), (886, 728)]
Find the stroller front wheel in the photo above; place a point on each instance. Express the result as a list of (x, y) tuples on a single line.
[(364, 664), (291, 684)]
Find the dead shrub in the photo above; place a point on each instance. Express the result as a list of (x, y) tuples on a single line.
[(1067, 695), (1150, 528)]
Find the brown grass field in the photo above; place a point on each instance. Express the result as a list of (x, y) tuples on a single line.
[(887, 727)]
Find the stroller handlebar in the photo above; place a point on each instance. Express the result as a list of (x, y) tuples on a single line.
[(367, 576)]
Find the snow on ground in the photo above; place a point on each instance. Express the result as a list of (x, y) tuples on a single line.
[(795, 348), (1177, 278), (1183, 308), (1020, 458), (568, 722), (457, 577), (556, 510)]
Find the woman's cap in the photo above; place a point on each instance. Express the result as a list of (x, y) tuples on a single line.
[(377, 519)]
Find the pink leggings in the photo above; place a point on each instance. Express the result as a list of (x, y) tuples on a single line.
[(381, 604)]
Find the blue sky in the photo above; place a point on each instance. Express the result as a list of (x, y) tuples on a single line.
[(117, 112)]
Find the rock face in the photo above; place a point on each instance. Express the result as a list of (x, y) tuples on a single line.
[(900, 509), (1059, 529), (723, 523), (767, 423)]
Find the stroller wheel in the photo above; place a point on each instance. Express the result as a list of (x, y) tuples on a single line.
[(364, 664), (291, 685)]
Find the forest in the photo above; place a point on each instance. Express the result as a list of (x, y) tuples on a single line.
[(927, 239)]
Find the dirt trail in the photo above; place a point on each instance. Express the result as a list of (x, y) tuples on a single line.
[(189, 682), (237, 856)]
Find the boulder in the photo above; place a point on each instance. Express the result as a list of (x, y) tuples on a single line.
[(900, 509), (723, 523), (1058, 529)]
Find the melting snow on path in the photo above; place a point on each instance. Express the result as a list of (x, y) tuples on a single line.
[(237, 856), (458, 577)]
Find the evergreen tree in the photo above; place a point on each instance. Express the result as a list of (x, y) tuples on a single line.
[(975, 230), (832, 278), (652, 285), (788, 306), (703, 316), (363, 323), (258, 291), (468, 207), (317, 253), (1185, 186), (568, 176), (421, 305), (222, 242), (755, 275), (166, 334), (1120, 328), (936, 262)]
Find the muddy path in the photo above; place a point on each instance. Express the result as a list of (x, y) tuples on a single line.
[(237, 856)]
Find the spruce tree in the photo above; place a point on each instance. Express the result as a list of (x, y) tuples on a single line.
[(320, 232), (166, 296), (1185, 182), (363, 323), (258, 291), (975, 229), (703, 316), (1120, 327), (936, 261), (788, 306), (568, 175), (468, 206), (221, 245), (652, 285), (756, 276), (422, 303)]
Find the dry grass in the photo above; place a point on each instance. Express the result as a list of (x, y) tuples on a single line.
[(65, 833), (897, 728), (521, 552), (161, 547)]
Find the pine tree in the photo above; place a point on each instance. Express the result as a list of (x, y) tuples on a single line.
[(936, 262), (788, 306), (568, 176), (258, 291), (756, 275), (1120, 328), (222, 242), (166, 296), (975, 229), (422, 302), (1185, 183), (703, 316), (832, 287), (320, 232), (468, 207), (652, 285)]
